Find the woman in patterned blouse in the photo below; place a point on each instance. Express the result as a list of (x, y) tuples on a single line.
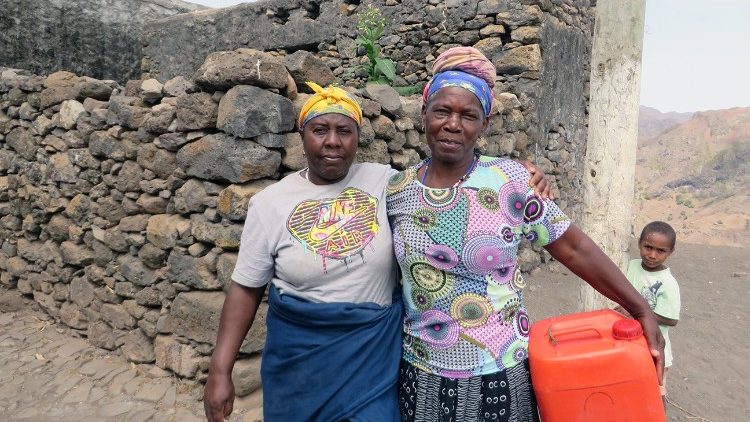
[(457, 219)]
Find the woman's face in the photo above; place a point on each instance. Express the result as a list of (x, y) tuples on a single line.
[(454, 120), (330, 143)]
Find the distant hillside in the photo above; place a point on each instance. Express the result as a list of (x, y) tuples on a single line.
[(652, 122), (693, 170)]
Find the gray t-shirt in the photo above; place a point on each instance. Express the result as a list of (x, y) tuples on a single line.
[(324, 243)]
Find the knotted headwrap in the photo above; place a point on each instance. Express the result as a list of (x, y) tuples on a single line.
[(328, 100), (466, 59), (464, 67)]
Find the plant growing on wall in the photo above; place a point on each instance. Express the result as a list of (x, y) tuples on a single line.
[(370, 25)]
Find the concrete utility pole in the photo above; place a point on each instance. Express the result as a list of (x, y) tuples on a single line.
[(609, 168)]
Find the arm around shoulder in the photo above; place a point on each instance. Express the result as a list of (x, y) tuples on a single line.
[(538, 180)]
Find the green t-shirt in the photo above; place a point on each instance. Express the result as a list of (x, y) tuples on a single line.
[(662, 293)]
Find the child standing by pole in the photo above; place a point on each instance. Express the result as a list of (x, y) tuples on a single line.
[(652, 278)]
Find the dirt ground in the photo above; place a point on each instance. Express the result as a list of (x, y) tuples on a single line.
[(710, 379)]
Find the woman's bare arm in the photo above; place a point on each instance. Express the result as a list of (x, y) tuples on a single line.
[(581, 255), (237, 315)]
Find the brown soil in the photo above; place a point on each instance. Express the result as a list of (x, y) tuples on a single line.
[(710, 378)]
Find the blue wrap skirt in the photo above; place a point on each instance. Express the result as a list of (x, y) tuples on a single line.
[(331, 361)]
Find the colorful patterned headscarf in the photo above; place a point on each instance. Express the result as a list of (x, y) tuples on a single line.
[(328, 100), (464, 67)]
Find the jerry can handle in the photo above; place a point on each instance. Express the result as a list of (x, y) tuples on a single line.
[(572, 330)]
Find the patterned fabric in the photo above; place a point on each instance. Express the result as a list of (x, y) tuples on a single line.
[(471, 83), (504, 396), (328, 100), (457, 248), (466, 59), (661, 291)]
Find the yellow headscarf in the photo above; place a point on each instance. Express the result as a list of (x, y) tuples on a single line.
[(329, 100)]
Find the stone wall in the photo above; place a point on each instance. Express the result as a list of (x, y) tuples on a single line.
[(541, 49), (121, 206), (98, 38)]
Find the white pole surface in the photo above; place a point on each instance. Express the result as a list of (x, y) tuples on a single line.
[(609, 167)]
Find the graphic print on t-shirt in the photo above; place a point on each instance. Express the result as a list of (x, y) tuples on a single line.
[(336, 228), (650, 292)]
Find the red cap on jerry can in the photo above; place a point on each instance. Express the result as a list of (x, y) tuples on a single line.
[(627, 329)]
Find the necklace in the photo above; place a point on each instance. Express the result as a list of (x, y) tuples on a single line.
[(307, 174), (461, 179)]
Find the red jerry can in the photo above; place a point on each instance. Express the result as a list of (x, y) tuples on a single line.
[(593, 367)]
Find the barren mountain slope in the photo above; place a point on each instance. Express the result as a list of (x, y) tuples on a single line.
[(696, 175)]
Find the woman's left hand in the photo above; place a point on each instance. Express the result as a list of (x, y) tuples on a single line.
[(654, 339), (538, 181), (653, 336)]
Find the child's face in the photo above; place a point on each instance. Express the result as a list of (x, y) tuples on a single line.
[(655, 248)]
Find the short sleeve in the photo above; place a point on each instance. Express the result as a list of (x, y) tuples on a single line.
[(255, 262), (668, 301), (543, 221), (632, 271)]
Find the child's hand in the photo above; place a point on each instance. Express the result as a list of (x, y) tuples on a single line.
[(538, 181)]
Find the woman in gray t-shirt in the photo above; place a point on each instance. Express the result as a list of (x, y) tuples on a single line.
[(320, 237)]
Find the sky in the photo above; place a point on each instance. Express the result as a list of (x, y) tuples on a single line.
[(696, 53)]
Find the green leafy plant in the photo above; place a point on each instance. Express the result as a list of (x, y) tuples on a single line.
[(370, 25)]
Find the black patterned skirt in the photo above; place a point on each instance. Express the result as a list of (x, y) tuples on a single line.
[(503, 396)]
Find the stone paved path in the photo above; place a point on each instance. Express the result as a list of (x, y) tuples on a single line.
[(48, 375)]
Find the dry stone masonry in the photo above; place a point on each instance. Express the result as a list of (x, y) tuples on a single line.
[(541, 49), (121, 206), (92, 37)]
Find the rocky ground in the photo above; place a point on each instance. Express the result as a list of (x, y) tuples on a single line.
[(710, 378), (46, 374)]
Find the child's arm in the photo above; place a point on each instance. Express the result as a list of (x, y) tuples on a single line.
[(622, 310), (667, 308), (665, 321)]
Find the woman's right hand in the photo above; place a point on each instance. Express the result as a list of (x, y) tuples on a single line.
[(237, 315), (218, 397)]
